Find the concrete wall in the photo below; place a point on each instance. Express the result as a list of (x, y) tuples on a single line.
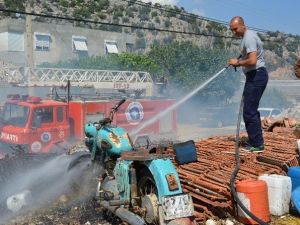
[(61, 41)]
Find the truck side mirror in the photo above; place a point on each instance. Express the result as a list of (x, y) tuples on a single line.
[(36, 122)]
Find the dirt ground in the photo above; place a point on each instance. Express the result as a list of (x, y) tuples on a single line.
[(89, 213)]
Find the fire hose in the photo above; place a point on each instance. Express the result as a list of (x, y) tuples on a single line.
[(237, 167)]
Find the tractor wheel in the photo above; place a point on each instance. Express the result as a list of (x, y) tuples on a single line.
[(146, 184), (148, 191)]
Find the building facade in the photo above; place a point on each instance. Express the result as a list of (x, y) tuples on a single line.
[(58, 42)]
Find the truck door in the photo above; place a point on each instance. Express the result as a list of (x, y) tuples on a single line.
[(43, 130)]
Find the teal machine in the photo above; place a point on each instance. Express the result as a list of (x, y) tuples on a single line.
[(139, 187)]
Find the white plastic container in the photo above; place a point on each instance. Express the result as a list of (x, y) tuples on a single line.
[(19, 200), (298, 144), (279, 193)]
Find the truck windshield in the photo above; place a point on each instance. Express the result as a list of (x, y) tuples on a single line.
[(15, 115)]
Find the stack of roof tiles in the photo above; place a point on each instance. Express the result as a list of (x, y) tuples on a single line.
[(208, 179)]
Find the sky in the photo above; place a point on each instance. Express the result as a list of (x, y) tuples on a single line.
[(271, 15)]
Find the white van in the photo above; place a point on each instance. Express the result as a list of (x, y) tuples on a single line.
[(265, 112)]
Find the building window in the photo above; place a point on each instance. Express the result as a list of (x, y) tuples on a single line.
[(15, 41), (79, 43), (42, 41), (129, 47), (111, 47)]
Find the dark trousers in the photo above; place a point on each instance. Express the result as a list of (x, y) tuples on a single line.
[(256, 82)]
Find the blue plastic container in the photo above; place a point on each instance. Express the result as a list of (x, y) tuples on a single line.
[(185, 152), (294, 174)]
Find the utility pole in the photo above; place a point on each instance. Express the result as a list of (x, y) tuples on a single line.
[(29, 47)]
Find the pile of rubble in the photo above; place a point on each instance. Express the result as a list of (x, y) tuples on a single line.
[(270, 123), (208, 179)]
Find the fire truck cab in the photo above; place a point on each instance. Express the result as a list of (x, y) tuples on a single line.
[(34, 124), (38, 125)]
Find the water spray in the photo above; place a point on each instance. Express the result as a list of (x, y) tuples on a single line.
[(174, 106)]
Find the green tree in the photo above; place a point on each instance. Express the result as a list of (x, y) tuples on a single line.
[(124, 61), (189, 66)]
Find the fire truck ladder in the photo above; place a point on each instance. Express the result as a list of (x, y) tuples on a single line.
[(100, 79)]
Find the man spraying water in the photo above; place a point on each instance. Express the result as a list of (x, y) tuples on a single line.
[(253, 65)]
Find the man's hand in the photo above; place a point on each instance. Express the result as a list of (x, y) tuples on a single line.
[(233, 62)]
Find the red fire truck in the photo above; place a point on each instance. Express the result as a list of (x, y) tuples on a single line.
[(38, 125)]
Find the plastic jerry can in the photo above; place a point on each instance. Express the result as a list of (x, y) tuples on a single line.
[(279, 193), (254, 196)]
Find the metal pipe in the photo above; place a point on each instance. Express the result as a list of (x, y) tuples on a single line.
[(68, 91), (133, 183), (124, 214), (118, 202)]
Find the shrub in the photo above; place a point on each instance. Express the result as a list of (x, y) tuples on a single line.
[(157, 20), (154, 14), (125, 20), (102, 16), (81, 13), (167, 23), (129, 12), (13, 5), (64, 3), (118, 13), (103, 4)]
